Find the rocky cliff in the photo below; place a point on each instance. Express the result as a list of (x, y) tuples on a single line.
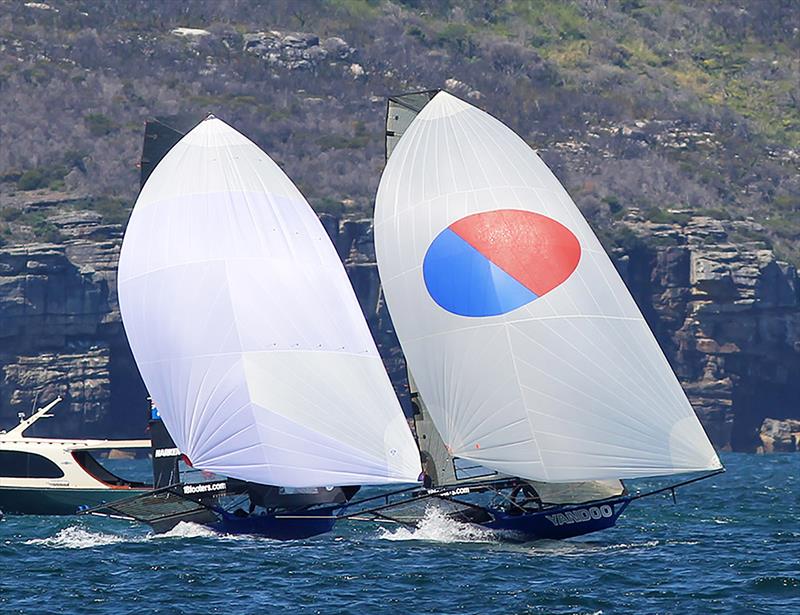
[(60, 330), (779, 436), (60, 327), (726, 313), (674, 126)]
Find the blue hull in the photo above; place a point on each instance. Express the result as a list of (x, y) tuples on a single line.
[(559, 522), (280, 527)]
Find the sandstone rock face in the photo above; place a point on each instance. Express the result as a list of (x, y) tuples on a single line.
[(728, 317), (779, 436), (80, 375), (60, 330), (725, 311), (297, 50)]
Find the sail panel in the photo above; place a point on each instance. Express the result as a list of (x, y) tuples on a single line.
[(564, 384), (246, 329)]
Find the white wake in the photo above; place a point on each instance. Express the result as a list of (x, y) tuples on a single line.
[(185, 529), (435, 526), (77, 538)]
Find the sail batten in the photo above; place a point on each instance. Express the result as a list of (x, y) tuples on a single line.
[(530, 354), (246, 329)]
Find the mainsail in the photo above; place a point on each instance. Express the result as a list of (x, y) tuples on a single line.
[(400, 112), (528, 351), (246, 330), (158, 140)]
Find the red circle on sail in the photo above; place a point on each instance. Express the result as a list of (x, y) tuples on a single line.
[(494, 262), (537, 251)]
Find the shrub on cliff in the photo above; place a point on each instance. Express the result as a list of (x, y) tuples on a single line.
[(43, 229), (654, 101), (51, 176), (98, 124), (114, 211), (31, 180), (328, 205)]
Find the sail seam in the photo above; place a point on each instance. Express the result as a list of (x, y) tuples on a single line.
[(519, 388), (239, 353), (514, 322), (486, 188), (588, 378), (506, 328)]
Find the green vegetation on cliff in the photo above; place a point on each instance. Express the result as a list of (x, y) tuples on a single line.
[(654, 105)]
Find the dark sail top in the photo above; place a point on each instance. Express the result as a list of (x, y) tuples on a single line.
[(158, 140)]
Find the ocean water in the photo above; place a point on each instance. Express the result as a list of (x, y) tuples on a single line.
[(731, 545)]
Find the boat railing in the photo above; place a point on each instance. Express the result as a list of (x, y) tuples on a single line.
[(25, 423)]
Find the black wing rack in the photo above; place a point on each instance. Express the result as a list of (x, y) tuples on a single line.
[(164, 508)]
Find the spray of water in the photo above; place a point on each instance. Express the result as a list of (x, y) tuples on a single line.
[(185, 529), (75, 537), (435, 526)]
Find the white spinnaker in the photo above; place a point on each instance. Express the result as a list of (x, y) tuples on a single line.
[(246, 329), (570, 387)]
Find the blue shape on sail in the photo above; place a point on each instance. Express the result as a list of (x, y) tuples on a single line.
[(463, 281)]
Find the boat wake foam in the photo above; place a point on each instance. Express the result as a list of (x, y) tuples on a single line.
[(568, 548), (77, 538), (436, 526), (185, 529)]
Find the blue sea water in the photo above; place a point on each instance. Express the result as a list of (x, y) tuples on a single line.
[(731, 545)]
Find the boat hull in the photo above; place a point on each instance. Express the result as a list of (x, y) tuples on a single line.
[(557, 523), (305, 524), (57, 501)]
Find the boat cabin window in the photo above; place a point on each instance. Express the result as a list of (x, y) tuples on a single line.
[(18, 464), (88, 462)]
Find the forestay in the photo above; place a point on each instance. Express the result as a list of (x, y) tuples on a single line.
[(526, 346), (246, 330)]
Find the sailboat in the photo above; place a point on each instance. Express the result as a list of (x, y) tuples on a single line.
[(252, 344), (535, 378)]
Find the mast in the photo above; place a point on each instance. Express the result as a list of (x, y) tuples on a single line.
[(401, 109), (158, 140)]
